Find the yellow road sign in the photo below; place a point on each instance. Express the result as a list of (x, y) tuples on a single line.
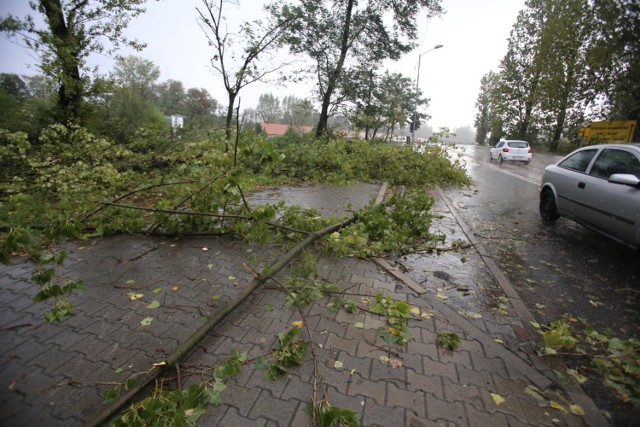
[(617, 131)]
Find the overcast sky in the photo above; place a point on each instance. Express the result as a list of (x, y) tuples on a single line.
[(474, 34)]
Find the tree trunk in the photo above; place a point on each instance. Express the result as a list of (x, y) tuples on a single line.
[(562, 111), (229, 122), (66, 46), (335, 75)]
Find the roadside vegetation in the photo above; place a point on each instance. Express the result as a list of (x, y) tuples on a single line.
[(567, 62), (88, 155), (71, 184)]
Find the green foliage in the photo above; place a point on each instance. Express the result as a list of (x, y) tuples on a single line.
[(332, 416), (14, 148), (593, 75), (558, 335), (180, 407), (400, 223), (617, 361), (59, 181), (52, 284), (342, 161), (330, 35), (303, 286), (177, 407), (291, 352), (397, 313), (64, 37), (448, 340)]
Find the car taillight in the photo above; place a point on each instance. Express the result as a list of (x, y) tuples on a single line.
[(530, 150), (505, 149)]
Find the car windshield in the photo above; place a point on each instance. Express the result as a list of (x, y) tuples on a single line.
[(579, 161), (518, 144)]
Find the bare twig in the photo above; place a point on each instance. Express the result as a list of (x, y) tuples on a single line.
[(86, 217)]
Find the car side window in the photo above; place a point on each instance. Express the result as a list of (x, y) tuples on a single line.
[(579, 161), (499, 145), (612, 161)]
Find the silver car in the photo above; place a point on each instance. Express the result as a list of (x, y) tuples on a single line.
[(597, 186)]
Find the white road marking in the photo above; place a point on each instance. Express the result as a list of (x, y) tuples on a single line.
[(515, 175)]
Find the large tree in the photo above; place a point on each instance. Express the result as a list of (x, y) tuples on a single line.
[(132, 103), (236, 55), (612, 81), (171, 97), (73, 29), (562, 42), (379, 101), (200, 106), (297, 111), (520, 72), (269, 109), (484, 104), (334, 33)]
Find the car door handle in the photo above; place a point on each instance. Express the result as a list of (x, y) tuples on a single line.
[(581, 185)]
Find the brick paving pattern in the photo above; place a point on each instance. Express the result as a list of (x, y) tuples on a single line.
[(55, 374)]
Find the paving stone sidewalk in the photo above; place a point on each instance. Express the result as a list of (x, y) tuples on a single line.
[(54, 375)]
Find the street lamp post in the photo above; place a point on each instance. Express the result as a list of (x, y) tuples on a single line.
[(415, 103)]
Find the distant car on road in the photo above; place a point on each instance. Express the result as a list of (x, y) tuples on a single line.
[(511, 149), (597, 186)]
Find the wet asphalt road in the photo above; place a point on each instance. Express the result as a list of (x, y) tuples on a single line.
[(557, 268)]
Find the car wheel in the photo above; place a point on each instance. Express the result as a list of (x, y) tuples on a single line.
[(490, 157), (547, 207), (500, 159), (527, 162)]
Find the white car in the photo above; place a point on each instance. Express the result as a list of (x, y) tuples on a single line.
[(511, 149)]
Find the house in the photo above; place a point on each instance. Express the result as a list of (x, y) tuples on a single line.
[(276, 129)]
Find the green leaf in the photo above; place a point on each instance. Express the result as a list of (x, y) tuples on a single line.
[(533, 392), (154, 304), (146, 321), (448, 340), (109, 396)]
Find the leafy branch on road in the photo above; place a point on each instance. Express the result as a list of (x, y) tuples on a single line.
[(616, 361)]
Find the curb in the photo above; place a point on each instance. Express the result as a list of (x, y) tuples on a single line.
[(593, 416)]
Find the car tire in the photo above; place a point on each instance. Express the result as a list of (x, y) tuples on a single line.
[(547, 207), (500, 159), (527, 162), (490, 157)]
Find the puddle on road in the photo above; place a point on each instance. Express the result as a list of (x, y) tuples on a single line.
[(459, 277), (329, 200)]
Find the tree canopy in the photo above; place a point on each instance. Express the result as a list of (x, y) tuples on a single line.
[(72, 30), (567, 61), (337, 33)]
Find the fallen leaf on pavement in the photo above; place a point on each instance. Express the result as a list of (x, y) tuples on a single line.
[(133, 296), (497, 398), (154, 304), (533, 392), (578, 377), (297, 323), (576, 410), (558, 406), (146, 321)]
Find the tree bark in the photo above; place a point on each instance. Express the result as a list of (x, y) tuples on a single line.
[(335, 75), (229, 121), (66, 47)]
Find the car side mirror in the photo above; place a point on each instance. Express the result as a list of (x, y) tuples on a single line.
[(625, 179)]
